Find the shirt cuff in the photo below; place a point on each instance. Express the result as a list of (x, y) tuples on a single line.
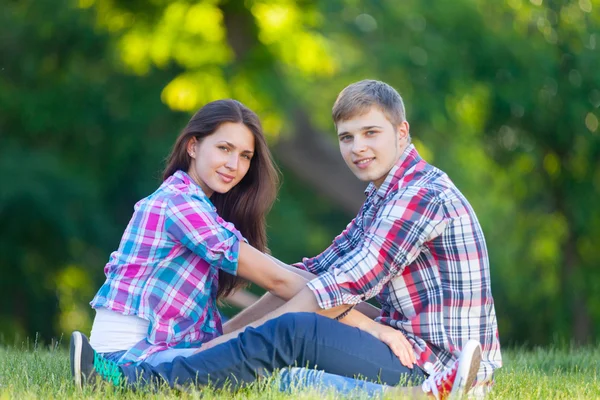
[(328, 292), (301, 266)]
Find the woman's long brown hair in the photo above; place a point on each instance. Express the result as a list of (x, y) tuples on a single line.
[(247, 203)]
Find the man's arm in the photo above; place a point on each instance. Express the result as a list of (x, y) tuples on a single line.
[(305, 301), (260, 308), (268, 303)]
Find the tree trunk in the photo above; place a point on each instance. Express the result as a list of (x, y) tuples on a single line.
[(318, 162), (581, 328), (306, 152)]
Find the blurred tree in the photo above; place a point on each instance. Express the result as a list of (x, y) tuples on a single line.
[(503, 96), (75, 135)]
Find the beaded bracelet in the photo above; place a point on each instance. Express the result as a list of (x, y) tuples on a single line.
[(342, 315)]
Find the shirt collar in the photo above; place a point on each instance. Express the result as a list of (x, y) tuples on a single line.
[(407, 160), (182, 178)]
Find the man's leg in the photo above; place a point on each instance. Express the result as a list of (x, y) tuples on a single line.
[(302, 339), (290, 379)]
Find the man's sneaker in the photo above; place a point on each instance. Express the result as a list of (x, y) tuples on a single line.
[(456, 380), (87, 366)]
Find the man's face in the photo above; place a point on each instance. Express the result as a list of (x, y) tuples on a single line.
[(371, 145)]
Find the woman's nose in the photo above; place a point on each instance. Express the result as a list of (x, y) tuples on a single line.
[(232, 163)]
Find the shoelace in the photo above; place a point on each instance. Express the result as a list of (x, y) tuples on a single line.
[(107, 369), (431, 384)]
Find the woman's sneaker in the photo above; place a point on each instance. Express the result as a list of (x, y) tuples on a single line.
[(456, 380), (87, 366)]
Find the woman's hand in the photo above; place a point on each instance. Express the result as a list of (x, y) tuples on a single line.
[(218, 340), (397, 342)]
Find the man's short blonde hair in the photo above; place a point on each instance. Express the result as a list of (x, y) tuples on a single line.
[(358, 98)]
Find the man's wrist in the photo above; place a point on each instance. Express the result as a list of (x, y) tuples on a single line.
[(367, 325)]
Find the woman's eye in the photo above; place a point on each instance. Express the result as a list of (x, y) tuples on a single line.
[(224, 148), (246, 156), (345, 138)]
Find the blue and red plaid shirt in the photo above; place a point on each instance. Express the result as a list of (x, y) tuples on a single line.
[(417, 246), (166, 268)]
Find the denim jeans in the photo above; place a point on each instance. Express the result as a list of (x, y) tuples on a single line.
[(155, 358), (287, 380), (299, 339), (293, 378)]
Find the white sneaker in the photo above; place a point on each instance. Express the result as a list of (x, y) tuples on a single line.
[(456, 380)]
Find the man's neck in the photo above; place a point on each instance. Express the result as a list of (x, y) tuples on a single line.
[(401, 150)]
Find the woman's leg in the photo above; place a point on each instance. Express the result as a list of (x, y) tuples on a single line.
[(302, 339), (114, 355), (168, 355)]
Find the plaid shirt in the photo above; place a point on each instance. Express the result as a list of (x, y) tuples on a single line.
[(417, 246), (166, 268)]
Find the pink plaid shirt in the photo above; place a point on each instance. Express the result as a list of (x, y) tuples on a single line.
[(416, 245), (166, 267)]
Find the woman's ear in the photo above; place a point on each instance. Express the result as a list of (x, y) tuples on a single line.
[(191, 147)]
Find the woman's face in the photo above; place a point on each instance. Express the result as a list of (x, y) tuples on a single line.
[(221, 160)]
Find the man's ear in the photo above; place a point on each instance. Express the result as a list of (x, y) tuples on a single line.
[(403, 129)]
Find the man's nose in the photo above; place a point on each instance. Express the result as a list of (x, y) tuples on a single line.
[(358, 145)]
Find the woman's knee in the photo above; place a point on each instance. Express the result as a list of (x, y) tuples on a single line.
[(297, 322)]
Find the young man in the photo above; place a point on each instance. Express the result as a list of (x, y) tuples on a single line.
[(415, 244)]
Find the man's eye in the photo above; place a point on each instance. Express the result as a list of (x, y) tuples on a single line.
[(371, 133)]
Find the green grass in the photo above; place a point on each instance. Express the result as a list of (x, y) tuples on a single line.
[(30, 372)]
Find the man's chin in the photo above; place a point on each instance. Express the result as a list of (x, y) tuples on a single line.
[(363, 176)]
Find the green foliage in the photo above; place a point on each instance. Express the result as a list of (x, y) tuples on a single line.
[(503, 96), (75, 137)]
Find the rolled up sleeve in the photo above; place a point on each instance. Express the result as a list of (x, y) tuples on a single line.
[(195, 224)]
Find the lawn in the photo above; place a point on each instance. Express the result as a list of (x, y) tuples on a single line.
[(34, 372)]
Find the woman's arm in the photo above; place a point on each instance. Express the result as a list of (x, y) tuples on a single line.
[(260, 269), (267, 303)]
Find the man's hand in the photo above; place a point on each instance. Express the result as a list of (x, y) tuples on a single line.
[(396, 340)]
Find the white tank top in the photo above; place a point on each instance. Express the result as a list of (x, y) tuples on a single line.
[(113, 331)]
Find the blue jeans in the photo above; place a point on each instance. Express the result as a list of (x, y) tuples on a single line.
[(299, 339), (293, 378), (155, 358), (288, 379)]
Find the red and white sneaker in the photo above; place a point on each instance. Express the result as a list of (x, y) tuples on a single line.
[(456, 380)]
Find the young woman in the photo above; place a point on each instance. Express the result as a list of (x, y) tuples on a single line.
[(192, 242)]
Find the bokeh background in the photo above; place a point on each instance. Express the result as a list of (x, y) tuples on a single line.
[(502, 95)]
